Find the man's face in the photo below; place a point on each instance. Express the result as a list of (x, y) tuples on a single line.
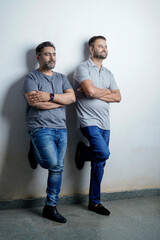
[(47, 59), (99, 49)]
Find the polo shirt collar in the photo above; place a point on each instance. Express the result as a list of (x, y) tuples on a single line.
[(92, 64)]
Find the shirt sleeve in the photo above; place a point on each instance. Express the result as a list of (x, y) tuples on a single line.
[(81, 74), (113, 85), (29, 84), (66, 83)]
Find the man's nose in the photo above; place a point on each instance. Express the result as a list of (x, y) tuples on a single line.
[(51, 57)]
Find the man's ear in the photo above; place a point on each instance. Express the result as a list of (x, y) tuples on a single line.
[(38, 57), (91, 49)]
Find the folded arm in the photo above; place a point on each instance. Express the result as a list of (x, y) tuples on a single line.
[(65, 98), (40, 105), (103, 94)]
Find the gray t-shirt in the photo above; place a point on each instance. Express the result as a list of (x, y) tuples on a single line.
[(93, 112), (54, 118)]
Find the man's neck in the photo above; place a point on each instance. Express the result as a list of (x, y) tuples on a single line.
[(46, 72), (98, 62)]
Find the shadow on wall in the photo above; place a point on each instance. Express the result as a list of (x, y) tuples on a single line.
[(86, 51), (16, 173), (74, 136)]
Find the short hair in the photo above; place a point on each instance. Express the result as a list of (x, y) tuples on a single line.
[(42, 45), (93, 39)]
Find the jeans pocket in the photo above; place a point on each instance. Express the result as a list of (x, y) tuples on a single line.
[(36, 130)]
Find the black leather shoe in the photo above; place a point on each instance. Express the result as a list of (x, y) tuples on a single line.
[(78, 160), (52, 214), (100, 209), (31, 157)]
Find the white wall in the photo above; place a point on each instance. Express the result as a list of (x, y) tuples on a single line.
[(133, 36)]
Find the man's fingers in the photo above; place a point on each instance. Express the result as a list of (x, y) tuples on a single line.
[(34, 99)]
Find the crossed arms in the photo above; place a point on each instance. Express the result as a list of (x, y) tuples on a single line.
[(40, 100), (106, 95)]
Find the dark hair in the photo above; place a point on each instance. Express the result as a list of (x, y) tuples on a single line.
[(42, 45), (93, 39)]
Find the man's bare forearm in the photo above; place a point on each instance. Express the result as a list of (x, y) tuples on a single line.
[(46, 105), (106, 95), (111, 97), (40, 105), (100, 93), (65, 98), (103, 94)]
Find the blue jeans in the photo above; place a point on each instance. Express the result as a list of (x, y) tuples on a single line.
[(50, 147), (97, 153)]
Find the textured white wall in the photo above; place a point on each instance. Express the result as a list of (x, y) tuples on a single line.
[(133, 37)]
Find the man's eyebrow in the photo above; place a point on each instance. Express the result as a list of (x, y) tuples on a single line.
[(49, 52)]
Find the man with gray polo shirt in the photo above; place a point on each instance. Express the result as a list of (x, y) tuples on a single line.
[(95, 88), (46, 94)]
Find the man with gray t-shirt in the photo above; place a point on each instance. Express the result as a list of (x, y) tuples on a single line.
[(95, 88), (47, 93)]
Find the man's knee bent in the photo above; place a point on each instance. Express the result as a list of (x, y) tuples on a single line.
[(103, 155), (50, 165)]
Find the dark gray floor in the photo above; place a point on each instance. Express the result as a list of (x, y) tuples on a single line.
[(134, 219)]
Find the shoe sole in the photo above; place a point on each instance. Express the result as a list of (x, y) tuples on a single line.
[(78, 162)]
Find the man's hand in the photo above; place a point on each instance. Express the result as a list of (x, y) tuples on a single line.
[(80, 89), (39, 96)]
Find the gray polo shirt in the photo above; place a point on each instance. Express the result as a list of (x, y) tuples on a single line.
[(54, 118), (93, 112)]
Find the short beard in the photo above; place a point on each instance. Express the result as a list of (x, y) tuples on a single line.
[(47, 66), (99, 56)]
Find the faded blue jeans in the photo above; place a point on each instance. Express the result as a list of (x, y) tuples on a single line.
[(97, 153), (50, 147)]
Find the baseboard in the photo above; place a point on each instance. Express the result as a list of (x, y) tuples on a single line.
[(75, 199)]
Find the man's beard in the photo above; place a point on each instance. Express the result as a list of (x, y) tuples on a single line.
[(49, 65), (99, 55)]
